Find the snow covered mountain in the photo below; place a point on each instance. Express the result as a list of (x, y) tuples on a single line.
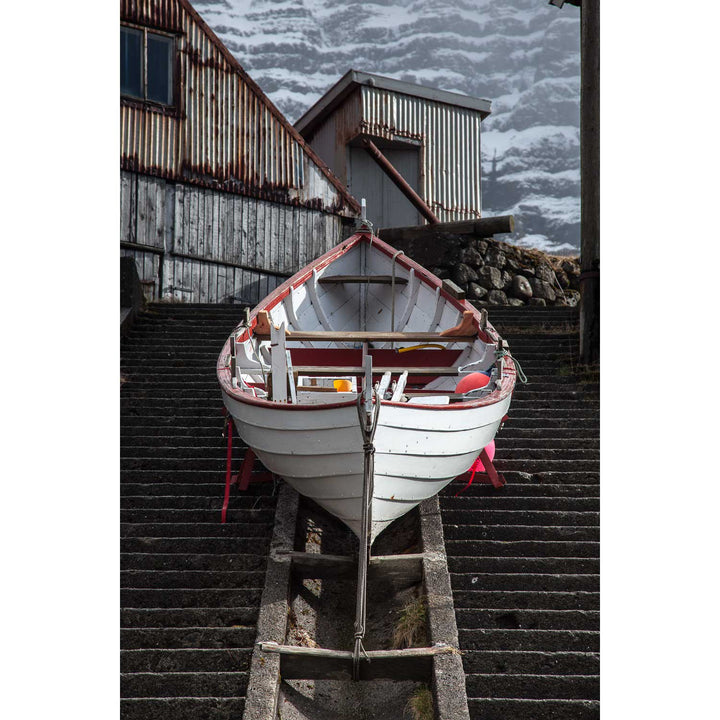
[(524, 55)]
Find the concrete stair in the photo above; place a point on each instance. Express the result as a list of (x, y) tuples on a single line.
[(190, 587), (524, 560)]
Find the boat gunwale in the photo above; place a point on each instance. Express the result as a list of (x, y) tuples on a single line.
[(283, 290)]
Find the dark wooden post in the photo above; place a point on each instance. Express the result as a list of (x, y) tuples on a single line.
[(590, 181)]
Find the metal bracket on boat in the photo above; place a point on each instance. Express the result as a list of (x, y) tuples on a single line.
[(500, 353), (482, 391)]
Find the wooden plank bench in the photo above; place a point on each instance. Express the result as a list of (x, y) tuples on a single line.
[(369, 336), (373, 279)]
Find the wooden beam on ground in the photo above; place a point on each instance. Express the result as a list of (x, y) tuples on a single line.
[(399, 570), (303, 663), (483, 227)]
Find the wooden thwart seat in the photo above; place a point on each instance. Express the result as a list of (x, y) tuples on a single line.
[(359, 370), (465, 331), (372, 279), (369, 336)]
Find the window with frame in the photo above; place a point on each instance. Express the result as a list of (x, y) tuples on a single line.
[(146, 65)]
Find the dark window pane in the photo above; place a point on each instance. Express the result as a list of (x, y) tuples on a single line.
[(131, 62), (159, 69)]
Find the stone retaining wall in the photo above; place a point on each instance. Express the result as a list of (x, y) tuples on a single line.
[(496, 273)]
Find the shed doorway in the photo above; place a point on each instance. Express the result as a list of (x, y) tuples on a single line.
[(386, 204)]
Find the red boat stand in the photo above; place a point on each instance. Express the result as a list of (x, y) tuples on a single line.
[(244, 477), (491, 476)]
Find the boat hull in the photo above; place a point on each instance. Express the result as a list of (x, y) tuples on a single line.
[(418, 451)]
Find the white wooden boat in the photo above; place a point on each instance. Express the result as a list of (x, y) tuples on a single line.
[(361, 300)]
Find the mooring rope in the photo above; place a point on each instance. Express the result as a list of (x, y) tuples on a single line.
[(520, 374), (368, 433)]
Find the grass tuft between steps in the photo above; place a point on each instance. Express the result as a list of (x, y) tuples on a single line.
[(420, 705), (411, 630)]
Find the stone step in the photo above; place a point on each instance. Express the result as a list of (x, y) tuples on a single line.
[(186, 660), (191, 515), (192, 561), (580, 687), (513, 472), (514, 619), (506, 531), (171, 503), (518, 462), (543, 640), (188, 617), (182, 708), (458, 549), (526, 709), (519, 564), (540, 582), (163, 598), (209, 495), (199, 637), (531, 663), (455, 510), (541, 518), (191, 579), (172, 684), (200, 544), (527, 599)]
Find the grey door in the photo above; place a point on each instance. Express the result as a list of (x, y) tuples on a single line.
[(386, 204)]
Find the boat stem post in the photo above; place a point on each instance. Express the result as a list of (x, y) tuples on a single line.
[(279, 363), (368, 417)]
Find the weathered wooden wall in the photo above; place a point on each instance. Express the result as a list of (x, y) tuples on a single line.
[(194, 244)]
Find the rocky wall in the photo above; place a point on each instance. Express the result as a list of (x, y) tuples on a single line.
[(492, 272)]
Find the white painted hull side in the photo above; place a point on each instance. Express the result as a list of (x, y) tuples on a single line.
[(319, 452)]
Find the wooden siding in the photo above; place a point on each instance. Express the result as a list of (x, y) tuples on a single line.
[(223, 132), (194, 244)]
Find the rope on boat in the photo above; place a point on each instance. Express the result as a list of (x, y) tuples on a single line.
[(367, 427), (502, 353)]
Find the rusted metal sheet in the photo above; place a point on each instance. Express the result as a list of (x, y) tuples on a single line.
[(194, 244), (223, 132), (447, 135), (450, 138)]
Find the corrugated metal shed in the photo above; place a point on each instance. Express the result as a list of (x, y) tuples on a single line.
[(221, 198), (443, 127), (222, 131)]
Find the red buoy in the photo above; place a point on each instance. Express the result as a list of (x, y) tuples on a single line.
[(473, 381)]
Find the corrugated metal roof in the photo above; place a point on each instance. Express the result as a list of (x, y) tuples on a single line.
[(354, 78), (446, 134), (223, 132)]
